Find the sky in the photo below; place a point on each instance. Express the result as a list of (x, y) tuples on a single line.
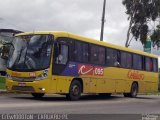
[(82, 17)]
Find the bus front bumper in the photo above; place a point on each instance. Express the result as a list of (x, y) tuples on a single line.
[(41, 86)]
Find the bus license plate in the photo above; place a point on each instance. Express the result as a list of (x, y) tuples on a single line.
[(21, 84)]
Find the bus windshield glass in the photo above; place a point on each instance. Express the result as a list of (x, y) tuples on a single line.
[(30, 52)]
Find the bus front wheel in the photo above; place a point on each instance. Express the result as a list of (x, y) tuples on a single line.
[(74, 91), (37, 95)]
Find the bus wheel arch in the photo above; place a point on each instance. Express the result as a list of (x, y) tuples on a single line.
[(75, 89)]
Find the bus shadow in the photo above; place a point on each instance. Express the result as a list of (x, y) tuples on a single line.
[(97, 97), (83, 98), (63, 98), (41, 99)]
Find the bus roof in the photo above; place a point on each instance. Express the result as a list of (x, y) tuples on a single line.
[(90, 40)]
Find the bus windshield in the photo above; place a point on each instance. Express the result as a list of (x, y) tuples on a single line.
[(30, 53)]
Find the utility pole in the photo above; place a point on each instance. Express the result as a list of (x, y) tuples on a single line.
[(103, 20)]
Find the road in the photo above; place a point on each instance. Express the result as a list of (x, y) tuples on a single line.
[(90, 104)]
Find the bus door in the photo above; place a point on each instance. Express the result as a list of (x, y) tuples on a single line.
[(60, 60)]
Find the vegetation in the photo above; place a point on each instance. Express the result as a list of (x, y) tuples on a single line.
[(2, 82), (144, 17), (156, 36)]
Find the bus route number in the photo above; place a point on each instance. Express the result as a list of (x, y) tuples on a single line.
[(99, 71)]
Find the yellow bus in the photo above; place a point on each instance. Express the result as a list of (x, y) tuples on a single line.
[(63, 63)]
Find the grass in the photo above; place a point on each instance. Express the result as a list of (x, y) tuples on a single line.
[(2, 82)]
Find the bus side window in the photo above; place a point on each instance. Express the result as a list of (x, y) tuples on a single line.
[(155, 66), (93, 54), (102, 55), (126, 60), (81, 52), (97, 54), (148, 64), (137, 62), (62, 56), (151, 64), (123, 59), (112, 57)]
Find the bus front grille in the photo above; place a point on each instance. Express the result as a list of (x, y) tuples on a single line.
[(23, 79), (23, 88)]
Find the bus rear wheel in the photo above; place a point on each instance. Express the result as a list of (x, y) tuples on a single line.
[(37, 95), (74, 91), (134, 91)]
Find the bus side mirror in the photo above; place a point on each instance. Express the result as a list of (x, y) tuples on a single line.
[(4, 52)]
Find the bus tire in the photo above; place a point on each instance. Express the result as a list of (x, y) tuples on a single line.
[(134, 91), (75, 91), (37, 95)]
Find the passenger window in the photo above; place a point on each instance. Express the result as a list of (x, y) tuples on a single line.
[(155, 65), (81, 51), (148, 64), (62, 56), (126, 60), (112, 57), (94, 54), (101, 55), (123, 59), (137, 62), (97, 54), (129, 61)]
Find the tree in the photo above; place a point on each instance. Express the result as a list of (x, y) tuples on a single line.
[(156, 37), (142, 13)]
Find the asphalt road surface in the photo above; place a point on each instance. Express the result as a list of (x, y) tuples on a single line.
[(89, 104)]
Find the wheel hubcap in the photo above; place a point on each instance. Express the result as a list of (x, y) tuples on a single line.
[(134, 90), (75, 90)]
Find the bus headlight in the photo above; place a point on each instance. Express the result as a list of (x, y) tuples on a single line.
[(43, 75)]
